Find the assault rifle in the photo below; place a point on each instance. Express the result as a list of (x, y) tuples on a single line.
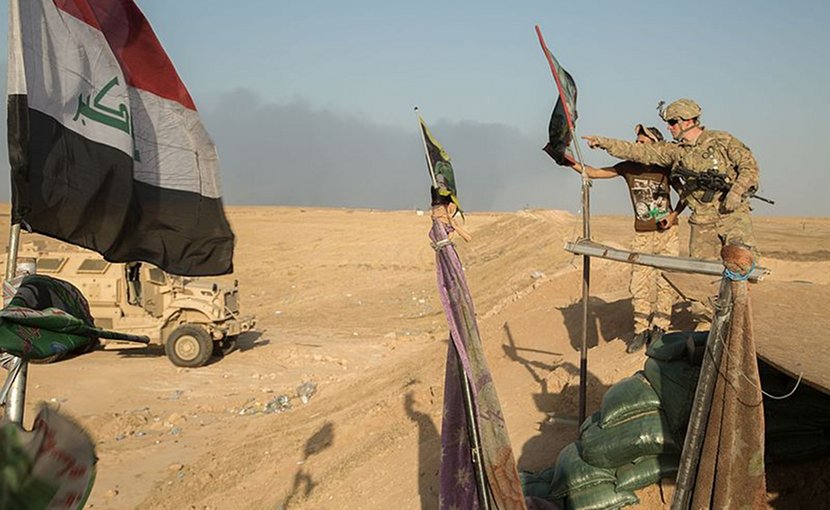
[(711, 182)]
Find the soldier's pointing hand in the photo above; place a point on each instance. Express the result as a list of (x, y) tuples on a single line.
[(593, 141)]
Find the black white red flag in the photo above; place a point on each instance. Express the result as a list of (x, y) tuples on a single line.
[(106, 147)]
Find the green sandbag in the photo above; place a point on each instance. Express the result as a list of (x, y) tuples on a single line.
[(673, 346), (611, 447), (537, 484), (675, 383), (572, 473), (603, 496), (646, 471), (593, 419), (627, 399)]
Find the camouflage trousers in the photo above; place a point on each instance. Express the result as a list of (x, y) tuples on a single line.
[(652, 296), (707, 239)]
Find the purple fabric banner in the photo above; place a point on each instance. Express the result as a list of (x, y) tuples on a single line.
[(466, 354)]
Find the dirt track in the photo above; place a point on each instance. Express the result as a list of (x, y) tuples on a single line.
[(346, 299)]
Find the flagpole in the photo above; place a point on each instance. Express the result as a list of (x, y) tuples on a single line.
[(16, 398), (469, 408), (426, 151), (17, 394), (586, 234)]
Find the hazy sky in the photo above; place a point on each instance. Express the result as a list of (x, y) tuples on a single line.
[(310, 102)]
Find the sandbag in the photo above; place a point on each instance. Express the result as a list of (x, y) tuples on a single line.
[(646, 471), (675, 383), (674, 346), (611, 447), (572, 473), (628, 399), (537, 484), (593, 419), (603, 496)]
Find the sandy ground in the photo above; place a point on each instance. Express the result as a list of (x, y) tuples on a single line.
[(346, 300)]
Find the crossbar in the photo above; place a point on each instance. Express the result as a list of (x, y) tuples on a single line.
[(682, 264)]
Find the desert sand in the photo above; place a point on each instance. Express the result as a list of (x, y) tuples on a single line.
[(346, 300)]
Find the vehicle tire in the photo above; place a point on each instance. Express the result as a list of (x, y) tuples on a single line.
[(189, 346), (225, 346)]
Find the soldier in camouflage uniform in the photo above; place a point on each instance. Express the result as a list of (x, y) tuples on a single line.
[(648, 185), (714, 223)]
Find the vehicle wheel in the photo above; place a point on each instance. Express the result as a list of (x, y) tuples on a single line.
[(189, 346), (225, 346)]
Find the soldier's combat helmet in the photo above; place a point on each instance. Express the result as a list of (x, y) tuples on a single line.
[(683, 109)]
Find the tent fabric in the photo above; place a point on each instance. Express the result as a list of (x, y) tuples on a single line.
[(731, 468)]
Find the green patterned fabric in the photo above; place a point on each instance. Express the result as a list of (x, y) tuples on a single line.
[(48, 319)]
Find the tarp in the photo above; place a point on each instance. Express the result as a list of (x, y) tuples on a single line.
[(731, 468)]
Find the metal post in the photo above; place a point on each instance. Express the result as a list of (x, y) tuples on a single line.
[(586, 232), (475, 442), (695, 433), (17, 393), (586, 294)]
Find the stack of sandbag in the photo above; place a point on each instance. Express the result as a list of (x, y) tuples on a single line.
[(635, 439)]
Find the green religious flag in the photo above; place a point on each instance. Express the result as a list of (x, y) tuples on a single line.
[(443, 188)]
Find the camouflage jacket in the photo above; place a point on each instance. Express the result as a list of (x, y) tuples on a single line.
[(712, 150)]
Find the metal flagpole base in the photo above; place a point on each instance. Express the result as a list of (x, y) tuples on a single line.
[(475, 442), (16, 398)]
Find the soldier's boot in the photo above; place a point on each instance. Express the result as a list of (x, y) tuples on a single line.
[(637, 343)]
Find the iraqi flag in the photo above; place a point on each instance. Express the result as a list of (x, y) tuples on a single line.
[(106, 147)]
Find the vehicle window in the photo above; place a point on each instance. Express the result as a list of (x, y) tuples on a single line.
[(50, 265), (97, 266), (156, 275)]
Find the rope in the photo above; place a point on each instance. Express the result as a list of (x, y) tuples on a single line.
[(445, 214), (788, 395), (440, 245), (722, 373)]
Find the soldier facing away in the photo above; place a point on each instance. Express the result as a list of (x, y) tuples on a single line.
[(715, 222), (654, 232)]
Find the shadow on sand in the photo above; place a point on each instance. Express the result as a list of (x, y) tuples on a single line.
[(561, 406), (304, 484), (606, 320), (429, 453)]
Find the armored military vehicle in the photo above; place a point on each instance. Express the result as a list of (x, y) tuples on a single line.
[(192, 317)]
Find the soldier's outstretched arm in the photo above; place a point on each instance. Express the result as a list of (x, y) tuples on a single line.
[(659, 153), (594, 172)]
